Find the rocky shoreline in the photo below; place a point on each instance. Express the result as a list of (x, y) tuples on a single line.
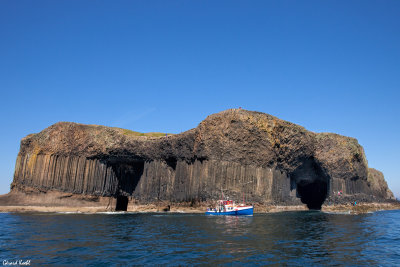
[(61, 202), (359, 209)]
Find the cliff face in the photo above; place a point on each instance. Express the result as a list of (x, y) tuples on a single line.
[(235, 151)]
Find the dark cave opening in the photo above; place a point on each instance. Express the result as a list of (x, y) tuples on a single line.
[(311, 183), (128, 175), (122, 203), (313, 194), (171, 162)]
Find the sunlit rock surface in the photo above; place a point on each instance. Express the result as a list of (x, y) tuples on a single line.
[(238, 152)]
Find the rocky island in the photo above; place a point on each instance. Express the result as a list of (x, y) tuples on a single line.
[(244, 154)]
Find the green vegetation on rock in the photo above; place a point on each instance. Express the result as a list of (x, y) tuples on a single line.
[(134, 133)]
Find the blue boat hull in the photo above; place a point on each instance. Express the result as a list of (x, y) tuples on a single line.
[(248, 211)]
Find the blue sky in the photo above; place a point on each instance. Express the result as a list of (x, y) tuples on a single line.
[(330, 66)]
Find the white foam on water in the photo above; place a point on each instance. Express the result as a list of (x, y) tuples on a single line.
[(338, 212), (111, 212), (178, 211), (89, 213), (68, 212)]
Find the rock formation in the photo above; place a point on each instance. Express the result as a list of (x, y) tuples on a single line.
[(236, 152)]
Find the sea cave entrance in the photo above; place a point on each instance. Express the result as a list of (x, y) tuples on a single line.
[(311, 183), (122, 203), (313, 194)]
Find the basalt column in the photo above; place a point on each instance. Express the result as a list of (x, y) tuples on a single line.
[(244, 154)]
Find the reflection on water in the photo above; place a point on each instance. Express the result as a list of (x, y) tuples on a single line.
[(289, 238), (232, 225)]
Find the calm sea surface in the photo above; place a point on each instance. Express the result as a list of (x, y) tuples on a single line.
[(288, 238)]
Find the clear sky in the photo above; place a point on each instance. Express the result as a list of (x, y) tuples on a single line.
[(330, 66)]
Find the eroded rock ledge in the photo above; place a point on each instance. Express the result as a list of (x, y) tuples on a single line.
[(269, 160)]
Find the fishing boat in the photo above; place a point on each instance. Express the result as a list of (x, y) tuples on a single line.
[(228, 207)]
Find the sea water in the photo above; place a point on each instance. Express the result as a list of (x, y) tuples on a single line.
[(304, 238)]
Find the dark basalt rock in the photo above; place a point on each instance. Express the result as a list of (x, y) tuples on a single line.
[(236, 151)]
